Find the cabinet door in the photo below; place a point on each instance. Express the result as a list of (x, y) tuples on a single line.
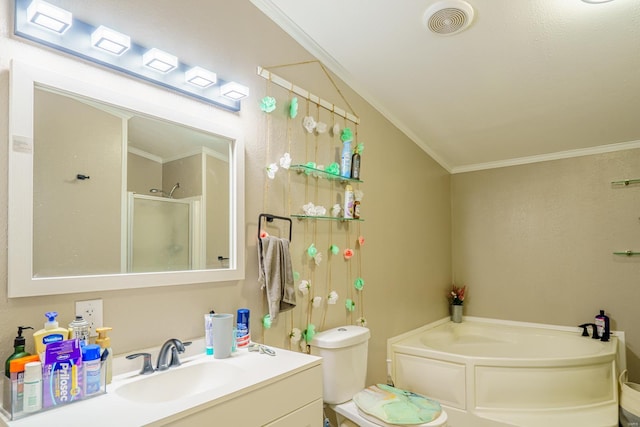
[(307, 416)]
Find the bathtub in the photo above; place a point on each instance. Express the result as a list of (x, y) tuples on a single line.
[(492, 373)]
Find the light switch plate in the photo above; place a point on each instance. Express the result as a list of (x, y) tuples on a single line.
[(91, 311)]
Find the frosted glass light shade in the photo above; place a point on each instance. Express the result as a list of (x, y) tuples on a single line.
[(49, 16), (111, 41), (159, 60), (234, 90), (200, 77)]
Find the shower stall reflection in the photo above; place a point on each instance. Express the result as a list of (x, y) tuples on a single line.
[(163, 233)]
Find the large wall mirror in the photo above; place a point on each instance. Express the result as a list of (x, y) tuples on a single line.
[(109, 190)]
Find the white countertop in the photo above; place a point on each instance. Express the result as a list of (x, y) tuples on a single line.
[(111, 409)]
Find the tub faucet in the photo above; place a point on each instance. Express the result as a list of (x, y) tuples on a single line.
[(175, 346), (594, 328)]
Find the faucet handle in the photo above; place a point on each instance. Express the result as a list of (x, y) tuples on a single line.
[(585, 332), (175, 360), (147, 367)]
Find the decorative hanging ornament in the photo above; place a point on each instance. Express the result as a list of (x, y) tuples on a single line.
[(268, 104), (293, 108), (266, 321), (310, 332), (309, 124), (332, 298), (350, 305), (348, 254)]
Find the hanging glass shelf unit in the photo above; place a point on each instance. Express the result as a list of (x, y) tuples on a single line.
[(321, 173), (627, 253), (326, 218)]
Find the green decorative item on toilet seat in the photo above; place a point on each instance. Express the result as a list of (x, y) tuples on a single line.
[(395, 406)]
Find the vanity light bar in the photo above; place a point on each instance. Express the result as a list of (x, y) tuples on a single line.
[(56, 28), (110, 40), (49, 16), (160, 60), (200, 77), (233, 90)]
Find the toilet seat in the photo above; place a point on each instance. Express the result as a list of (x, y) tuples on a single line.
[(350, 411)]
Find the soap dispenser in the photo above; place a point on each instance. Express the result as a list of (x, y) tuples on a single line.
[(18, 349), (105, 344)]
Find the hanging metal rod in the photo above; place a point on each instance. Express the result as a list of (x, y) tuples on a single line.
[(626, 181), (627, 253), (274, 78)]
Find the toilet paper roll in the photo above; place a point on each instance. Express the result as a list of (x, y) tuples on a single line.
[(222, 335)]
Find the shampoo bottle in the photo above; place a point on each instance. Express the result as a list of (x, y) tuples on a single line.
[(105, 344), (602, 323), (18, 349), (52, 332)]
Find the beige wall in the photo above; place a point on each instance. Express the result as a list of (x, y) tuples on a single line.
[(186, 171), (534, 242), (406, 261), (143, 174)]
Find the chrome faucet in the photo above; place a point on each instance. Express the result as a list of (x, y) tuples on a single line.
[(175, 346)]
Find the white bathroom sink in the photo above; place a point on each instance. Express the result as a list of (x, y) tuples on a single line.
[(180, 382)]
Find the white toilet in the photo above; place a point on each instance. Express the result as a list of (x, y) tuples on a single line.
[(344, 370)]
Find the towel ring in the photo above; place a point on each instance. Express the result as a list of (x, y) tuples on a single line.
[(270, 218)]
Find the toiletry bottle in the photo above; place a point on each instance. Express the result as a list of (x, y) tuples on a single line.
[(32, 398), (105, 344), (18, 349), (345, 160), (348, 202), (91, 368), (355, 165), (208, 333), (243, 334), (357, 195), (602, 323), (14, 399), (51, 333), (79, 329)]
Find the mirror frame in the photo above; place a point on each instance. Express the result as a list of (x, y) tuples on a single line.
[(75, 80)]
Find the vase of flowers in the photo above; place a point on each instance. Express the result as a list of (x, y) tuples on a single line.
[(456, 299)]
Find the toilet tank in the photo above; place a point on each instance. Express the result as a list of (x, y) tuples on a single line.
[(344, 365)]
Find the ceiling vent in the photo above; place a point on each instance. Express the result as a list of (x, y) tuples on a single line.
[(448, 17)]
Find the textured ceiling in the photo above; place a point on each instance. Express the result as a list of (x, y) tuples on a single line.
[(529, 80)]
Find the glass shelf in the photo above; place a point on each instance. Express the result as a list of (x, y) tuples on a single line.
[(321, 173), (626, 182), (326, 218), (627, 253)]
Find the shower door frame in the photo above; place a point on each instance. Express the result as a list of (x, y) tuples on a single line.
[(197, 247)]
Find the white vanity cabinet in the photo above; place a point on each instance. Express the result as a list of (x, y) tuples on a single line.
[(284, 390), (292, 401)]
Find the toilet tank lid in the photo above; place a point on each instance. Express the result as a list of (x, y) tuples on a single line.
[(342, 336)]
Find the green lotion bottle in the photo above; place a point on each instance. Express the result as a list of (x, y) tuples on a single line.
[(18, 349)]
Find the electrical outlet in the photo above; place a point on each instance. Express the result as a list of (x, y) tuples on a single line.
[(91, 311)]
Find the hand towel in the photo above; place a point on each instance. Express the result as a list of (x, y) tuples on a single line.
[(276, 274)]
